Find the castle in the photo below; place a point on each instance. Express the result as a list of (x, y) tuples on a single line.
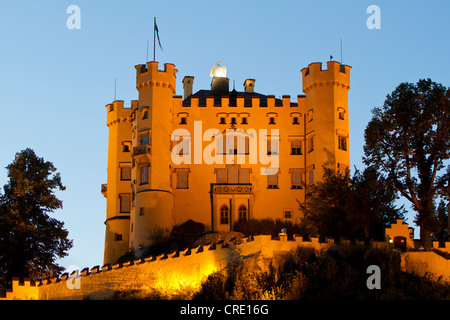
[(218, 156)]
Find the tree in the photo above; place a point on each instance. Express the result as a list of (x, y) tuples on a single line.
[(442, 216), (325, 209), (30, 240), (356, 208), (408, 139)]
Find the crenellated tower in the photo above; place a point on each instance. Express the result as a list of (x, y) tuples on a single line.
[(326, 121), (153, 199), (117, 189)]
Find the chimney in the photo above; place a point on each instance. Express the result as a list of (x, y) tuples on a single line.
[(249, 85), (188, 83), (220, 86)]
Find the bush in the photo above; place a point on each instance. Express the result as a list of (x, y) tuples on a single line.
[(339, 273), (268, 226)]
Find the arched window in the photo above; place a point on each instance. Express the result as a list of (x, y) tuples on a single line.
[(242, 213), (224, 212)]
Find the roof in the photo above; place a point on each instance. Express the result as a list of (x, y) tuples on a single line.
[(203, 94)]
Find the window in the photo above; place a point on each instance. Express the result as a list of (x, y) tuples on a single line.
[(272, 146), (287, 213), (272, 181), (145, 115), (224, 211), (341, 113), (221, 175), (295, 120), (311, 144), (233, 120), (233, 174), (124, 202), (311, 175), (244, 175), (271, 120), (126, 147), (222, 120), (244, 120), (296, 147), (141, 211), (342, 143), (342, 169), (144, 139), (183, 120), (296, 179), (125, 173), (182, 179), (242, 213), (144, 175), (117, 237)]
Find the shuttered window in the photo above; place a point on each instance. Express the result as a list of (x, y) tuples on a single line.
[(296, 180), (124, 202), (272, 181), (144, 175), (182, 177)]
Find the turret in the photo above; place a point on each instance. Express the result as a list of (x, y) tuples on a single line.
[(118, 188), (327, 122), (153, 203)]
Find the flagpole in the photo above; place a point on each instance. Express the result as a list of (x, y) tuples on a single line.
[(154, 31)]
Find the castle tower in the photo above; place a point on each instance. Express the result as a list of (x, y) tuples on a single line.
[(117, 189), (327, 125), (153, 199)]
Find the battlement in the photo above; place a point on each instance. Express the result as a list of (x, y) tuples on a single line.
[(150, 76), (239, 101), (22, 290), (336, 74), (117, 112)]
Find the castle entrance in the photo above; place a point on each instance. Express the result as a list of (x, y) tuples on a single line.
[(230, 203)]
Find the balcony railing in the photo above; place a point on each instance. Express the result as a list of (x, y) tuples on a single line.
[(142, 150), (232, 188)]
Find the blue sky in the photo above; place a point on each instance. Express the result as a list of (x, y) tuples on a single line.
[(55, 82)]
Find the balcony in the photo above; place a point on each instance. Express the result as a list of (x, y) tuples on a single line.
[(104, 189), (232, 188), (143, 149)]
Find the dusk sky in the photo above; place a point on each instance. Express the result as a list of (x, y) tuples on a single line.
[(56, 81)]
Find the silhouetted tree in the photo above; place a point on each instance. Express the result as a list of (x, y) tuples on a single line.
[(408, 139), (30, 240), (356, 208), (442, 216)]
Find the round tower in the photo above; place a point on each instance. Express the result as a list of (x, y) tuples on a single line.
[(118, 188), (326, 124), (153, 205)]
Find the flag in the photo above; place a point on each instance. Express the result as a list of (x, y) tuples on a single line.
[(157, 34)]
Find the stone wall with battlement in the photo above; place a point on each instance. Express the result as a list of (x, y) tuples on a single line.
[(180, 270)]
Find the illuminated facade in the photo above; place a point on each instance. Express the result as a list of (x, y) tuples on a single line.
[(149, 189)]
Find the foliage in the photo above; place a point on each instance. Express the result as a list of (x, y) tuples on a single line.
[(31, 240), (442, 215), (354, 208), (408, 139), (336, 274), (181, 237), (268, 226)]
